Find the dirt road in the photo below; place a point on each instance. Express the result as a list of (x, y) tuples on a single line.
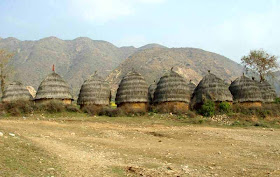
[(89, 148)]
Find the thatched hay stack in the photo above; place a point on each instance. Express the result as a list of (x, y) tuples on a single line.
[(53, 87), (132, 94), (151, 90), (94, 91), (268, 92), (172, 93), (211, 88), (246, 92), (16, 91), (192, 87)]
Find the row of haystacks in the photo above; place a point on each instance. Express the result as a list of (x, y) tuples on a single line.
[(53, 87), (172, 93)]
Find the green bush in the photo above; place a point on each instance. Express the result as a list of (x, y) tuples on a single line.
[(277, 100), (225, 107), (207, 109)]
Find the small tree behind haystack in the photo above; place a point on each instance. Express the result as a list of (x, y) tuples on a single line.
[(260, 62), (5, 56)]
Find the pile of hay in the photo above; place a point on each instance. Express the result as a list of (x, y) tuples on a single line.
[(211, 88), (54, 87), (94, 91), (16, 91), (132, 94), (245, 90)]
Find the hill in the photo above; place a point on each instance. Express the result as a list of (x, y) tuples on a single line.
[(75, 60), (192, 63)]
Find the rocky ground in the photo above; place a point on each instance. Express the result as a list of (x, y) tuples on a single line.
[(134, 146)]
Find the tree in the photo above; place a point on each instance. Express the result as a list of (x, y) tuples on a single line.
[(261, 62), (4, 60)]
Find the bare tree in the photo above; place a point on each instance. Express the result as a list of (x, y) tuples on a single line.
[(260, 62), (5, 56)]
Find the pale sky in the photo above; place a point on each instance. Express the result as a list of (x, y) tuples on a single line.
[(228, 27)]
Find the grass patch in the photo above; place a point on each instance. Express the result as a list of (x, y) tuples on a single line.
[(19, 157), (118, 171)]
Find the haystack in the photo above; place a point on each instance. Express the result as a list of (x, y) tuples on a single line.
[(95, 91), (192, 87), (267, 91), (151, 90), (246, 92), (16, 91), (132, 94), (211, 88), (53, 87), (172, 93)]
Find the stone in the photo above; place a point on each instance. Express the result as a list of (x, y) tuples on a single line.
[(1, 134), (12, 134), (50, 169)]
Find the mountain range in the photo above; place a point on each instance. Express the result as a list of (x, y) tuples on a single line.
[(75, 60)]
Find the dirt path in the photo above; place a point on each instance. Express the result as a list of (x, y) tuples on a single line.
[(117, 149)]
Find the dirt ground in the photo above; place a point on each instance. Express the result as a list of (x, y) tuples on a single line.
[(71, 147)]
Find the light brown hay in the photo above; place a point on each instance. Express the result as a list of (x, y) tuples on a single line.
[(244, 89), (54, 87), (16, 91), (94, 91)]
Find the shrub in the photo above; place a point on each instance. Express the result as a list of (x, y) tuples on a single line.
[(191, 114), (52, 106), (207, 109), (92, 110), (111, 112), (72, 108), (277, 100), (225, 107), (18, 108)]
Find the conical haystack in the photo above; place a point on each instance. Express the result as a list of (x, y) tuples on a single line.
[(267, 91), (172, 93), (16, 91), (94, 91), (246, 91), (192, 87), (132, 94), (53, 87), (211, 88), (151, 90)]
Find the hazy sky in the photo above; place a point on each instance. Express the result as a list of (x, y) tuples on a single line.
[(228, 27)]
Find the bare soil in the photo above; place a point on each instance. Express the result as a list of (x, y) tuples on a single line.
[(115, 147)]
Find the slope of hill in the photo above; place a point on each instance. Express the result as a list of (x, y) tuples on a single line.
[(192, 63), (77, 59), (74, 59)]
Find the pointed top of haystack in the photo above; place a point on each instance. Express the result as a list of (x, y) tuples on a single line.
[(172, 88), (244, 89), (132, 89), (267, 91), (53, 87), (211, 88), (94, 91), (16, 91)]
